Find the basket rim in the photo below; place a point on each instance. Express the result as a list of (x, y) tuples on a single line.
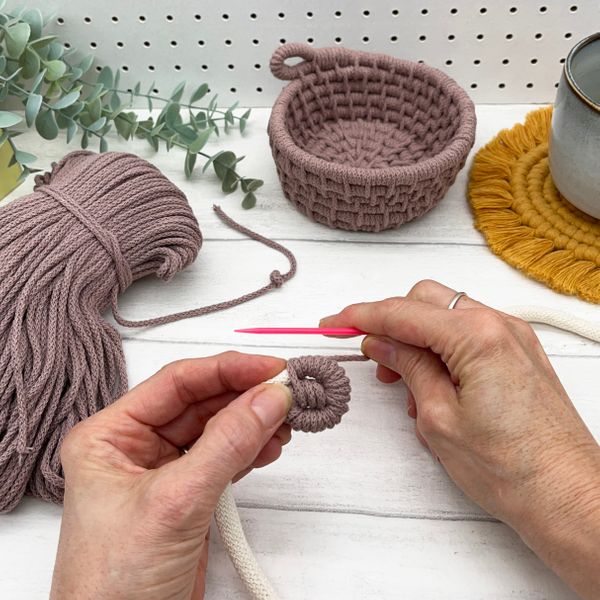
[(450, 157)]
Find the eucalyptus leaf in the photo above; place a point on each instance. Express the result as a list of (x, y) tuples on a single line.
[(97, 92), (152, 140), (242, 125), (2, 63), (171, 115), (85, 140), (187, 134), (12, 72), (212, 104), (223, 163), (8, 119), (103, 144), (24, 175), (156, 130), (249, 201), (177, 93), (24, 158), (32, 108), (200, 119), (30, 63), (123, 127), (55, 69), (41, 42), (230, 182), (190, 161), (106, 77), (54, 90), (55, 50), (170, 142), (61, 120), (199, 93), (214, 125), (254, 184), (75, 73), (71, 131), (94, 108), (86, 64), (15, 39), (98, 124), (67, 100), (211, 160), (45, 124), (34, 18), (74, 109), (115, 102), (200, 141), (37, 82)]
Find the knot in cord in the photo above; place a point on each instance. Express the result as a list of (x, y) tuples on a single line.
[(321, 392), (277, 278)]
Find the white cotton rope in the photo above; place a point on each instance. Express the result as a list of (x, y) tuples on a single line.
[(240, 553), (557, 319), (235, 542), (228, 518)]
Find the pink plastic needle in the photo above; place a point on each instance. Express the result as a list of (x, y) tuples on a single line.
[(300, 330)]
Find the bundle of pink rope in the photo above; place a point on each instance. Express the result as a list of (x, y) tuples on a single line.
[(91, 227)]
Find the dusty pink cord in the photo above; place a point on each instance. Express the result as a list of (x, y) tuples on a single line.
[(92, 226)]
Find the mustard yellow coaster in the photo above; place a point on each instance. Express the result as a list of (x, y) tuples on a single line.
[(524, 218)]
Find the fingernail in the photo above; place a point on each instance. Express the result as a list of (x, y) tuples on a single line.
[(272, 403), (325, 319), (377, 349)]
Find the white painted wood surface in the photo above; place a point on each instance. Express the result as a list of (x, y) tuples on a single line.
[(361, 511)]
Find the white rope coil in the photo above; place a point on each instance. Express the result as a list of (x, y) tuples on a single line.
[(228, 518)]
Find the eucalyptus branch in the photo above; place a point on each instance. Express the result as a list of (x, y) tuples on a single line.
[(58, 94), (182, 104)]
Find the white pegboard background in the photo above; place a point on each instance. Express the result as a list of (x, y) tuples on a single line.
[(500, 52)]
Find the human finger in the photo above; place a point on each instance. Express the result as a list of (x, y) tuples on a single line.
[(410, 321), (433, 292), (167, 394), (386, 375), (232, 441)]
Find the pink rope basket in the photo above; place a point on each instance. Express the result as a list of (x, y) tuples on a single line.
[(366, 142)]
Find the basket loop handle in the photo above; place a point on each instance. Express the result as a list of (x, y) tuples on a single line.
[(291, 50)]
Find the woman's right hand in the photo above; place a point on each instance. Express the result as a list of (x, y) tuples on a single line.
[(490, 407)]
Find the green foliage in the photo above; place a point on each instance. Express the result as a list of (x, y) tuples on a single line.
[(59, 93)]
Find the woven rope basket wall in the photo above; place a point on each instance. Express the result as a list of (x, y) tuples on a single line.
[(363, 141)]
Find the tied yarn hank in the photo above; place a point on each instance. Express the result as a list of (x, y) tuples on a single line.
[(92, 226)]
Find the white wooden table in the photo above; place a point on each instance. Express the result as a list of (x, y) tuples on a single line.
[(361, 511)]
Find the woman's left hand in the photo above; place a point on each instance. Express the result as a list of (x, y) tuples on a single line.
[(137, 512)]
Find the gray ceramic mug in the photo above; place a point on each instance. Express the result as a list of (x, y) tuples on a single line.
[(575, 138)]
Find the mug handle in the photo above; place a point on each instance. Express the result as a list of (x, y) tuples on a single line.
[(290, 50)]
